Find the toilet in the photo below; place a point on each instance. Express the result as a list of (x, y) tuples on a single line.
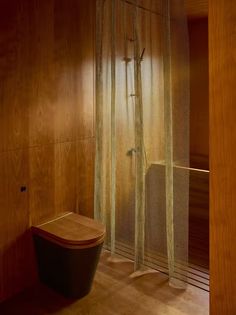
[(68, 250)]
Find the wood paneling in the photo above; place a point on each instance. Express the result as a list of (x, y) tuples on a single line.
[(199, 95), (147, 5), (222, 48), (46, 104), (17, 262), (86, 72), (199, 218), (199, 143), (13, 73), (41, 69), (52, 180), (196, 8), (42, 185), (66, 68), (66, 174), (85, 154)]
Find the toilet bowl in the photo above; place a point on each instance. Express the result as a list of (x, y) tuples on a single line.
[(68, 250)]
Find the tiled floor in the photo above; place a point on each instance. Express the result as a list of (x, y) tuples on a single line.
[(113, 293)]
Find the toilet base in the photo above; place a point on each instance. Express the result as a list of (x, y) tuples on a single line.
[(68, 271)]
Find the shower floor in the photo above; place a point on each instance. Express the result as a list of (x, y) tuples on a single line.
[(113, 293)]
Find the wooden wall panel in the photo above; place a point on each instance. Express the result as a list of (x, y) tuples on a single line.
[(85, 153), (17, 261), (46, 104), (199, 93), (147, 5), (3, 221), (42, 98), (14, 122), (222, 48), (65, 176), (52, 180), (85, 74), (15, 110), (199, 143), (196, 9), (15, 255), (42, 184), (199, 218)]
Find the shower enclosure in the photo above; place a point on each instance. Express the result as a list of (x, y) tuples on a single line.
[(142, 133)]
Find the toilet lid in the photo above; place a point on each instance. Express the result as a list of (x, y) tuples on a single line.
[(71, 229)]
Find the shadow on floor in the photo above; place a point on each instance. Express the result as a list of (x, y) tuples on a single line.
[(37, 300)]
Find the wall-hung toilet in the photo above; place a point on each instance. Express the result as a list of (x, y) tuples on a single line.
[(67, 250)]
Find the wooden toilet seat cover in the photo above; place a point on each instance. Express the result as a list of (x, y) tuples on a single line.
[(72, 229)]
